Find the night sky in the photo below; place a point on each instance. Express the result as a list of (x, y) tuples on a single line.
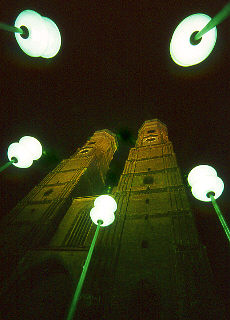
[(114, 71)]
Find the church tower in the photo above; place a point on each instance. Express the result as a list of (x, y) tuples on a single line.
[(162, 271), (149, 264), (32, 223)]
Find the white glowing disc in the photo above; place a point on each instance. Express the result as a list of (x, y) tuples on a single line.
[(208, 184), (102, 214), (182, 51), (197, 173), (106, 202), (18, 151), (54, 39), (203, 179), (44, 38), (32, 145), (36, 43)]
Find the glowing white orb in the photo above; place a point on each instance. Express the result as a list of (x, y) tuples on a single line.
[(32, 145), (36, 43), (199, 172), (106, 202), (18, 151), (203, 179), (54, 39), (182, 51), (209, 184), (44, 38), (103, 214)]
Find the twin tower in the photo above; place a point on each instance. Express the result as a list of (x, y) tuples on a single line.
[(149, 264)]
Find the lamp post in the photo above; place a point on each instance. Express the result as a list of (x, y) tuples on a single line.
[(22, 154), (206, 186), (195, 37), (102, 214), (37, 36)]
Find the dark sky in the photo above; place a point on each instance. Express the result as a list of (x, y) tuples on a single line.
[(114, 71)]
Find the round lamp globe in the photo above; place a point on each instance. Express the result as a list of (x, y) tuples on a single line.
[(106, 216), (18, 151), (200, 172), (107, 202), (182, 51), (32, 145), (44, 39), (201, 188)]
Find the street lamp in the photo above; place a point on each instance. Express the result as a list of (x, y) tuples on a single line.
[(102, 214), (22, 154), (37, 36), (206, 186), (195, 37)]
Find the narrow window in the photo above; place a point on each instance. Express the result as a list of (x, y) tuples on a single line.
[(84, 151)]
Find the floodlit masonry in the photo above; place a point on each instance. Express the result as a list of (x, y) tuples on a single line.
[(148, 264)]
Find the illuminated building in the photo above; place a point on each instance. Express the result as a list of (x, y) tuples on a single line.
[(149, 264)]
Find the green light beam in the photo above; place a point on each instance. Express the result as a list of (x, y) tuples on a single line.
[(13, 160), (221, 16), (6, 27), (220, 216), (77, 293)]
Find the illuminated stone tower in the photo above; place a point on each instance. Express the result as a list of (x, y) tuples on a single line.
[(149, 264), (161, 267), (34, 220)]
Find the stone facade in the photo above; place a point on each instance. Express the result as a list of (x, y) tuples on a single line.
[(35, 219), (149, 264), (162, 271)]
